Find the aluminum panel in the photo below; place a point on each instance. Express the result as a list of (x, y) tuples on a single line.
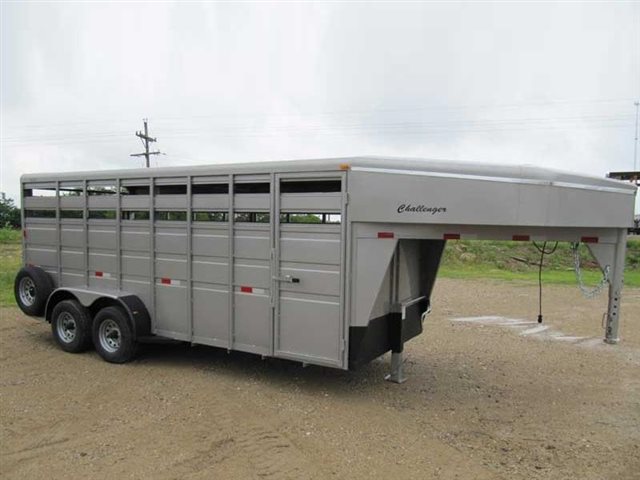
[(72, 201), (172, 240), (133, 202), (72, 236), (321, 250), (252, 326), (138, 285), (173, 268), (103, 283), (252, 201), (210, 270), (323, 280), (210, 201), (310, 327), (133, 263), (311, 202), (40, 202), (171, 305), (209, 242), (211, 314), (252, 244), (253, 273), (134, 239), (41, 256), (170, 202), (72, 259), (42, 234), (72, 278), (102, 236), (102, 261), (107, 202)]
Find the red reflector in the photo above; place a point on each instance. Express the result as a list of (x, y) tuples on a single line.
[(246, 289), (385, 235), (520, 238), (451, 236), (589, 239), (165, 281), (99, 274), (24, 233)]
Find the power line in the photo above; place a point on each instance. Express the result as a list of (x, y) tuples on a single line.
[(146, 139)]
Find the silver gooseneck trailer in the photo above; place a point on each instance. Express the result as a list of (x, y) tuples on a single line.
[(328, 262)]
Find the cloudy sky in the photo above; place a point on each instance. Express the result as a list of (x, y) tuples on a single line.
[(547, 84)]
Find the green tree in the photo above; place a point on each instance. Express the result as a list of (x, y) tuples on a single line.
[(9, 213)]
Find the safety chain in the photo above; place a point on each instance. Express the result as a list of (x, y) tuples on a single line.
[(588, 292)]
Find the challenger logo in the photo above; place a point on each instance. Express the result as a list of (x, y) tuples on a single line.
[(408, 208)]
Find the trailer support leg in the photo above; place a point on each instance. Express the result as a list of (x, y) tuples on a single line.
[(397, 347), (397, 373), (615, 289)]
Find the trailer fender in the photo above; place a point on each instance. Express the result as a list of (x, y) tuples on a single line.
[(95, 301)]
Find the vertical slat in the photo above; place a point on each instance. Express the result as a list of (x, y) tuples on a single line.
[(85, 215), (275, 284), (230, 266), (58, 235), (152, 251), (274, 206), (343, 267), (23, 225), (118, 236), (189, 258)]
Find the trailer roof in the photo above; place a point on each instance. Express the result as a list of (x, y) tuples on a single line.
[(449, 167)]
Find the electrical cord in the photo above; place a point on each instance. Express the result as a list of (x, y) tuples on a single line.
[(543, 251)]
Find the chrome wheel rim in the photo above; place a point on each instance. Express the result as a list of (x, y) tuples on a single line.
[(109, 335), (27, 291), (66, 327)]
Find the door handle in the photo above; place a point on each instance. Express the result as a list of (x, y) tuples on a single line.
[(288, 279)]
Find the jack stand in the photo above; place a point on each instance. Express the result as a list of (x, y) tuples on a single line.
[(396, 375)]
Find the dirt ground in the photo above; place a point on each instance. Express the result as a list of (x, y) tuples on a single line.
[(483, 401)]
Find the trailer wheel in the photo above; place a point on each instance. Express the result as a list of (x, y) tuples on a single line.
[(71, 326), (31, 289), (113, 336)]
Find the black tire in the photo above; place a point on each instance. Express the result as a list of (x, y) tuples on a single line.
[(32, 288), (113, 336), (71, 326)]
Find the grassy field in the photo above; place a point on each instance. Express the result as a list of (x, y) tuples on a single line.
[(519, 261), (510, 261), (10, 259)]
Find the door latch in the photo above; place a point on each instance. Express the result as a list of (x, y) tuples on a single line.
[(288, 279)]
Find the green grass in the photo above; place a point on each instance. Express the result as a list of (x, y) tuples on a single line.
[(10, 261), (517, 261)]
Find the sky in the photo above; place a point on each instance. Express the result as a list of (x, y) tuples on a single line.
[(549, 84)]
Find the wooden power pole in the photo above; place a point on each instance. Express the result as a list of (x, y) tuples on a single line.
[(146, 139)]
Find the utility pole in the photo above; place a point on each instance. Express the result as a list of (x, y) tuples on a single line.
[(146, 140), (635, 145)]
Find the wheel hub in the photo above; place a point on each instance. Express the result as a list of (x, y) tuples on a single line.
[(27, 291), (66, 327), (109, 335)]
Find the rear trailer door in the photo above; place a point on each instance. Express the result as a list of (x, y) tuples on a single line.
[(308, 269)]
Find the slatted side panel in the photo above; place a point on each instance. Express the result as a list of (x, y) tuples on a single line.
[(171, 293), (251, 286), (210, 275), (135, 261), (102, 258), (309, 310), (72, 251), (41, 240)]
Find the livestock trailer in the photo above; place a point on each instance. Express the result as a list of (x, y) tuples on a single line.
[(329, 262)]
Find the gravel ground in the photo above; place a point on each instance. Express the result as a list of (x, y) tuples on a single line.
[(485, 399)]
